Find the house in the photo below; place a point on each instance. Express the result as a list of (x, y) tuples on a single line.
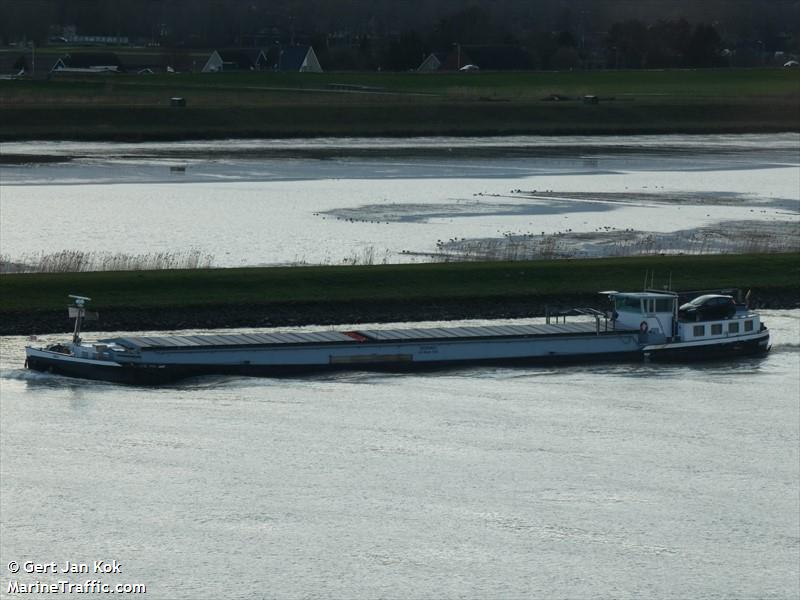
[(88, 62), (140, 63), (433, 62), (214, 64), (97, 40), (14, 64), (487, 58), (236, 59), (181, 61), (301, 59)]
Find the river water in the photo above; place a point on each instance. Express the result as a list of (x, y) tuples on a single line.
[(328, 201), (603, 481)]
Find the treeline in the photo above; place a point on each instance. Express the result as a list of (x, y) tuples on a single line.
[(628, 44), (396, 35), (632, 44)]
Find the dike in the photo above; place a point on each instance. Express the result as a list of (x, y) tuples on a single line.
[(325, 314)]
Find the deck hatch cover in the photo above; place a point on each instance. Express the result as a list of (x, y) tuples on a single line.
[(379, 335)]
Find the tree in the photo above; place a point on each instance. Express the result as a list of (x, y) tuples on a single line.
[(472, 25), (404, 53), (668, 43), (564, 39), (704, 46), (626, 45), (565, 58)]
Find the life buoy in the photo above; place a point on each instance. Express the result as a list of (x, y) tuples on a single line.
[(643, 327)]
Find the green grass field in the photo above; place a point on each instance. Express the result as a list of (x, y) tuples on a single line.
[(478, 103), (700, 83), (396, 283)]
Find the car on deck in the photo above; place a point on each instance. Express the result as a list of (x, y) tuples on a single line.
[(708, 307)]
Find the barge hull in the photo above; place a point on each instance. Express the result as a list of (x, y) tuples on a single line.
[(144, 374), (756, 346), (156, 373), (144, 360), (111, 372)]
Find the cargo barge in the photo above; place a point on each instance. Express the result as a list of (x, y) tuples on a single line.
[(641, 326)]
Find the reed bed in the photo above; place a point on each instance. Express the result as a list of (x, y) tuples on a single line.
[(737, 239), (80, 261), (704, 241)]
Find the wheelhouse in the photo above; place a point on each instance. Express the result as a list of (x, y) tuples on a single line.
[(649, 312), (656, 315)]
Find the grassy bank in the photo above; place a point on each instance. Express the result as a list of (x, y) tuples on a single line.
[(315, 294), (134, 107), (157, 123), (215, 298)]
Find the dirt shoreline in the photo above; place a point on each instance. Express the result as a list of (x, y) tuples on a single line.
[(324, 314)]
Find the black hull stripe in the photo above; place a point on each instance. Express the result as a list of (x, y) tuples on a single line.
[(158, 374)]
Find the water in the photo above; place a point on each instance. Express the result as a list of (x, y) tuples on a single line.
[(616, 481), (330, 201), (610, 481)]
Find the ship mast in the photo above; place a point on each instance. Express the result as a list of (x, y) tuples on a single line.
[(79, 312)]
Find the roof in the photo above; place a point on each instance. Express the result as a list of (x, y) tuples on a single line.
[(87, 60), (291, 58), (707, 296), (132, 62), (14, 62), (253, 54), (644, 294), (433, 62), (243, 58)]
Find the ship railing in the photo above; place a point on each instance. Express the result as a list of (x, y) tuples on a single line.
[(598, 315)]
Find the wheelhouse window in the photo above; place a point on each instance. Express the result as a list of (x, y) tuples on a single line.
[(658, 305), (663, 305), (699, 330), (628, 304), (716, 329), (733, 328), (748, 325)]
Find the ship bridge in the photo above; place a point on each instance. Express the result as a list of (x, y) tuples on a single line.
[(649, 312)]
